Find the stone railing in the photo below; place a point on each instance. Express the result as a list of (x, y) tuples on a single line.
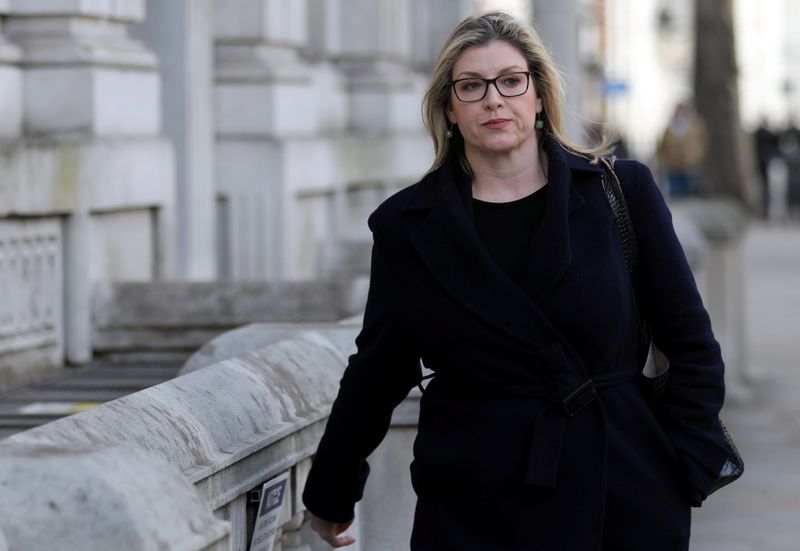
[(174, 466), (30, 313), (722, 223)]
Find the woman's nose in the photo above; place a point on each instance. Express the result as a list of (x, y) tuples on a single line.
[(493, 99)]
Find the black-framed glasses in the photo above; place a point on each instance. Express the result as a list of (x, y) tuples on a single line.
[(508, 86)]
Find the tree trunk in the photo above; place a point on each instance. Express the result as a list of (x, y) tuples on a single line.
[(728, 168)]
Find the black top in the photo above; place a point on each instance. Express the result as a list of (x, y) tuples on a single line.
[(506, 229)]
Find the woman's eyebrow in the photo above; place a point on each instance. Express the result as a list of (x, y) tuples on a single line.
[(511, 69)]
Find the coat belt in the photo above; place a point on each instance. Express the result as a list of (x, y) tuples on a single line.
[(550, 423)]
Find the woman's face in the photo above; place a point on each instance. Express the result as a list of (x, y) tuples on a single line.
[(494, 125)]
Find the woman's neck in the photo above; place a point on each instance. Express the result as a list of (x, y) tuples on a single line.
[(499, 179)]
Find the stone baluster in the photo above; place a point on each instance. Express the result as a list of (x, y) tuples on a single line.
[(292, 539)]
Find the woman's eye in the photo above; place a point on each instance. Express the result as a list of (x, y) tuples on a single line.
[(511, 81), (470, 85)]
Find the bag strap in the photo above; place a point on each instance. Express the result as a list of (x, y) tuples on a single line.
[(616, 200)]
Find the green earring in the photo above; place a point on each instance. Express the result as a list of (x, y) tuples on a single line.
[(448, 134), (539, 124)]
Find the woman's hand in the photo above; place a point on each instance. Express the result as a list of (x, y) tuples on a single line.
[(329, 531)]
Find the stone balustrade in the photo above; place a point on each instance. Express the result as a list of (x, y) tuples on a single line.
[(30, 316), (173, 466)]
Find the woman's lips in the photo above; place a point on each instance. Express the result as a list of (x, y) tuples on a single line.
[(496, 124)]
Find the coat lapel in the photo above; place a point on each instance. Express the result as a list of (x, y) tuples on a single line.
[(450, 248), (550, 251), (448, 245)]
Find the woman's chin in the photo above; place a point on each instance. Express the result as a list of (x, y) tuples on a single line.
[(502, 147)]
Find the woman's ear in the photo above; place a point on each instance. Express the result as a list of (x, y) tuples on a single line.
[(449, 114)]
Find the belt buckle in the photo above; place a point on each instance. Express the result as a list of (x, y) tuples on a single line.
[(578, 399)]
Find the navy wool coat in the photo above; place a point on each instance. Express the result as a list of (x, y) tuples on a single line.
[(536, 431)]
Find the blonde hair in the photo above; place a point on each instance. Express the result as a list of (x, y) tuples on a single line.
[(480, 30)]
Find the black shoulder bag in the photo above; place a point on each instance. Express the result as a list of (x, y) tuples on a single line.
[(656, 366)]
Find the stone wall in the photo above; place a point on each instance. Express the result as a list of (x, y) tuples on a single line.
[(85, 176)]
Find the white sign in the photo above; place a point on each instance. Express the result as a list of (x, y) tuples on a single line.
[(273, 493), (55, 408)]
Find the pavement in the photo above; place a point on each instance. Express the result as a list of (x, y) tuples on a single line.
[(761, 511)]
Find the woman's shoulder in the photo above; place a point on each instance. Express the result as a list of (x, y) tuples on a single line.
[(635, 178), (645, 200), (389, 212), (633, 169)]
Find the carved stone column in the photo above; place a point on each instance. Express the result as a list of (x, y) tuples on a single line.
[(371, 45), (179, 32), (557, 24), (107, 84), (376, 55), (434, 20), (263, 100)]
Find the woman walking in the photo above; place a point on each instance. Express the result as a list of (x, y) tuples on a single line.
[(504, 272)]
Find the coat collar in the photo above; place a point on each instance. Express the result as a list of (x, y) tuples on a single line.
[(451, 249)]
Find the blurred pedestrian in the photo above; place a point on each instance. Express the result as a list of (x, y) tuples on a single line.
[(789, 145), (766, 148), (504, 271), (681, 151)]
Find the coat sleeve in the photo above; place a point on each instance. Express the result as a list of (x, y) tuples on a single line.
[(378, 377), (671, 304)]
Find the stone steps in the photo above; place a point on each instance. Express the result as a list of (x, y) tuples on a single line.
[(75, 389)]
